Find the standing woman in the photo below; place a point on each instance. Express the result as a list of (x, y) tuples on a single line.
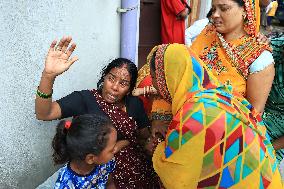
[(231, 51), (112, 98), (216, 138)]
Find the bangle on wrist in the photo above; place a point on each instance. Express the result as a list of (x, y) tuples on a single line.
[(43, 95)]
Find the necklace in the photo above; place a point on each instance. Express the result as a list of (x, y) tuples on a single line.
[(232, 53), (242, 55)]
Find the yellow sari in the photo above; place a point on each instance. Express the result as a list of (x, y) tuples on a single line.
[(216, 138), (157, 108), (230, 61)]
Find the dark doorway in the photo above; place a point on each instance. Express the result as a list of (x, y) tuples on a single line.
[(149, 28)]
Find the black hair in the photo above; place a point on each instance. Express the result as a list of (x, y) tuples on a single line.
[(118, 63), (240, 2), (152, 62), (88, 134), (188, 7), (189, 10), (209, 14)]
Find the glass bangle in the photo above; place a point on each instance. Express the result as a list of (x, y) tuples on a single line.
[(43, 95)]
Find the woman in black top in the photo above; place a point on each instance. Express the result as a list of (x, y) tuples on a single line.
[(112, 98)]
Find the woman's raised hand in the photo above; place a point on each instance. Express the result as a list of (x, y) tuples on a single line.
[(58, 57)]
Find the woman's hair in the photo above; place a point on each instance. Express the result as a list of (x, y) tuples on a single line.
[(240, 2), (87, 134), (209, 14), (152, 62), (118, 63)]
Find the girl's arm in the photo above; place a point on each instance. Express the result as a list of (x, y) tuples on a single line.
[(121, 144), (110, 183)]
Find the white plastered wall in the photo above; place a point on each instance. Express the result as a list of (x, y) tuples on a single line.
[(27, 27)]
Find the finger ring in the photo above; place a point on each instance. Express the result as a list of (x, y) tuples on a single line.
[(58, 48)]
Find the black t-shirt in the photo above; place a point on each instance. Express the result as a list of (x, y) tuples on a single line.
[(84, 102)]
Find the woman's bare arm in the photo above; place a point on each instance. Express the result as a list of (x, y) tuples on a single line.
[(46, 109), (258, 87), (57, 61)]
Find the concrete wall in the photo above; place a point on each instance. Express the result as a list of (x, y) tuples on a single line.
[(27, 28)]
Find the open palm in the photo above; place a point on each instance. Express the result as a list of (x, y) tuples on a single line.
[(58, 57)]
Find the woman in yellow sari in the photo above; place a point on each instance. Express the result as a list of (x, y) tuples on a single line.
[(230, 50), (158, 110), (216, 138)]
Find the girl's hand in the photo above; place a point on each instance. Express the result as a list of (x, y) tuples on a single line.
[(58, 57)]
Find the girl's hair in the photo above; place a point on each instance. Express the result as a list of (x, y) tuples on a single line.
[(87, 134), (240, 2), (118, 63)]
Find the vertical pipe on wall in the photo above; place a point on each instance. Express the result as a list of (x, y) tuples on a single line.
[(128, 39)]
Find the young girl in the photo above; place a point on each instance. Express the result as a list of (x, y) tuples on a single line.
[(87, 145)]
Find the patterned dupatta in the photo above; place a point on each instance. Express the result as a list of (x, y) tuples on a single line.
[(122, 122), (158, 108), (182, 78), (230, 61), (216, 138)]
